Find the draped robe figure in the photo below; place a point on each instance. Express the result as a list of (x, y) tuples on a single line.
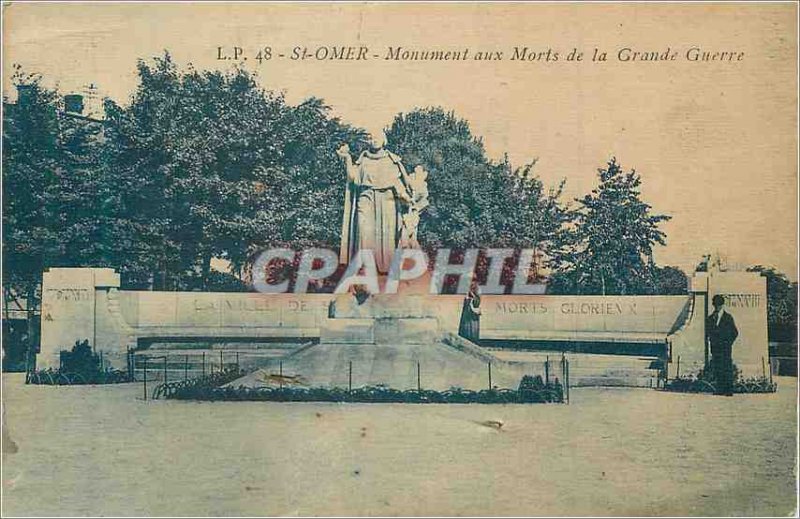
[(376, 183), (419, 192), (470, 325)]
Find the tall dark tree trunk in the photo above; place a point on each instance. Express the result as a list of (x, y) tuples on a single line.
[(206, 270), (33, 332)]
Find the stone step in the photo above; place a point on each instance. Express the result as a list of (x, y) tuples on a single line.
[(586, 369), (440, 367)]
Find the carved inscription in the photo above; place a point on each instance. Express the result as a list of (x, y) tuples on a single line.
[(70, 294), (569, 308), (743, 300)]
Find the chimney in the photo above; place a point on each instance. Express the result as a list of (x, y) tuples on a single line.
[(73, 104), (24, 94)]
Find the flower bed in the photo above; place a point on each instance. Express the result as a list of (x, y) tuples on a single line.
[(704, 382), (531, 390), (55, 377), (79, 366)]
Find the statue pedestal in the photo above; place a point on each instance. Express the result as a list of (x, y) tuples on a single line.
[(347, 331), (384, 330), (419, 286), (381, 319)]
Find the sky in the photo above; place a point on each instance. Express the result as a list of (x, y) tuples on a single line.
[(715, 142)]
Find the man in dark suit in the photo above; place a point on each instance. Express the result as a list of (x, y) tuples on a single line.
[(721, 331)]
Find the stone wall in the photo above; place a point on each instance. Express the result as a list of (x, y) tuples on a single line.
[(635, 319), (86, 304)]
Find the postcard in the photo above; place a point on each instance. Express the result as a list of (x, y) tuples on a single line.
[(399, 259)]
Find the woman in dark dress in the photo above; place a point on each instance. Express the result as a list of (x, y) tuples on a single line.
[(470, 325)]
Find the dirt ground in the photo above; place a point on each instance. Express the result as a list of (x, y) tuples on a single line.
[(104, 451)]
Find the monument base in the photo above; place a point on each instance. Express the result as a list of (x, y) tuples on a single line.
[(383, 330), (399, 366)]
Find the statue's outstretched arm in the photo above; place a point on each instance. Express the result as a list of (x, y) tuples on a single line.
[(352, 170), (344, 153)]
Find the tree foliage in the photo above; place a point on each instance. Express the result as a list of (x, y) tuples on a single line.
[(207, 164), (55, 195), (474, 202), (611, 240), (212, 165), (669, 281), (781, 304)]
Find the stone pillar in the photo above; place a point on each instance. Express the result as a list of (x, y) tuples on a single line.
[(687, 350), (69, 309), (745, 296), (746, 300)]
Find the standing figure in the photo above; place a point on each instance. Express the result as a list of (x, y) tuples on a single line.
[(470, 325), (721, 331), (377, 187), (418, 182)]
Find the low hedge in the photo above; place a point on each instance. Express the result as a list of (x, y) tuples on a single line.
[(55, 377), (699, 385), (531, 390), (704, 382)]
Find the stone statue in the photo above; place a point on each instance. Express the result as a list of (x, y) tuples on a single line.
[(418, 183), (376, 195)]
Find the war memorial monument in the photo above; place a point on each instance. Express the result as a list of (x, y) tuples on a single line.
[(403, 320)]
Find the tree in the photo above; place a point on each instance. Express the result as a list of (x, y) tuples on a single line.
[(302, 206), (669, 281), (212, 165), (191, 148), (198, 165), (474, 202), (611, 239), (307, 196), (781, 304), (54, 189), (31, 171), (87, 209), (30, 189)]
